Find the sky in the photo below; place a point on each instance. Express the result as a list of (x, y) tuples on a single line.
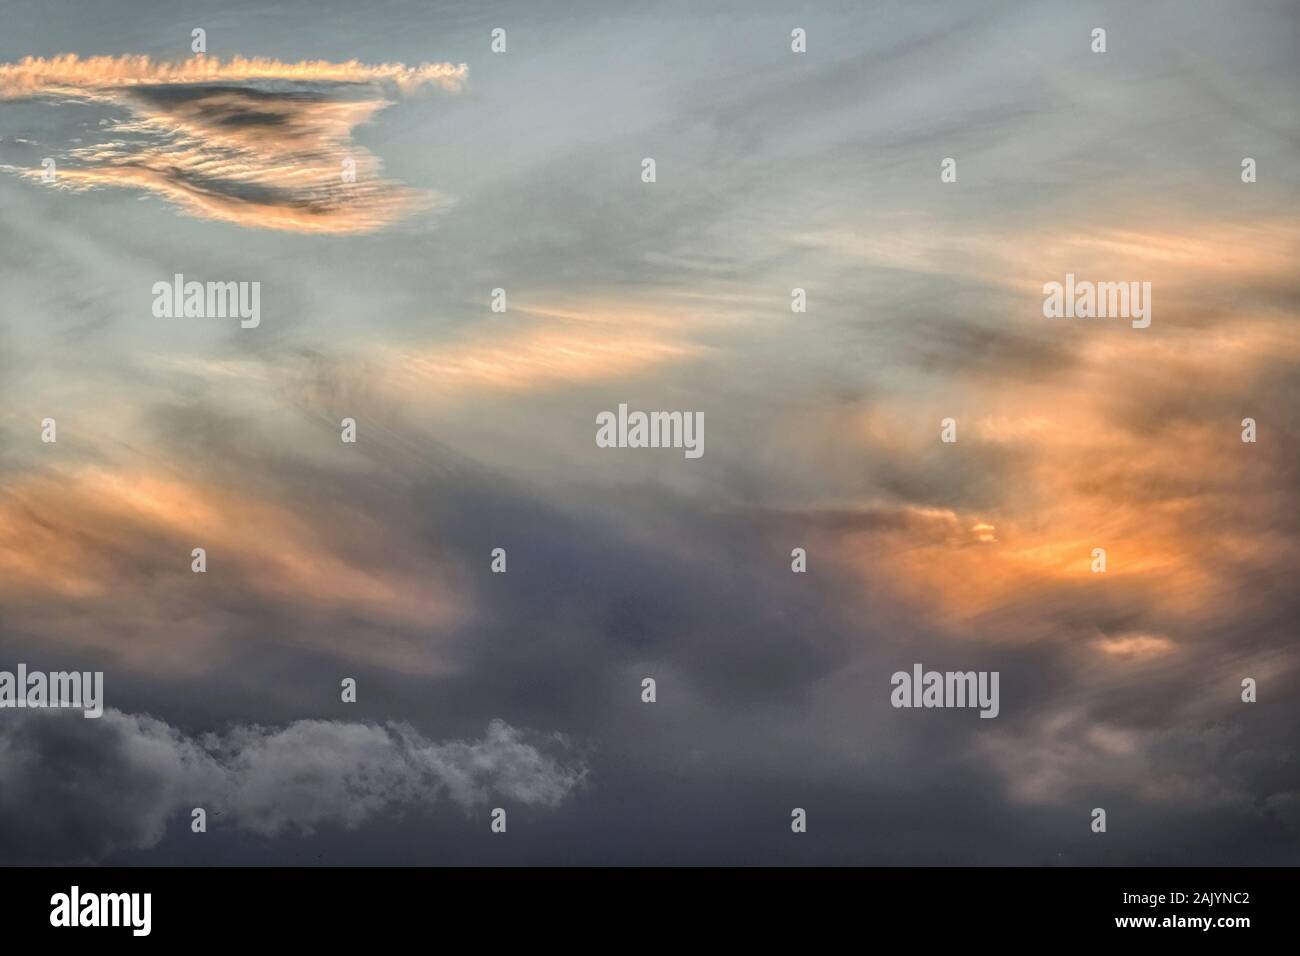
[(775, 170)]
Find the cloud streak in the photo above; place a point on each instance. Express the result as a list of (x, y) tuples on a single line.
[(71, 75)]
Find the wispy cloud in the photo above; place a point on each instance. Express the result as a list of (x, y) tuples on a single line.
[(544, 350), (72, 75), (88, 587), (256, 142)]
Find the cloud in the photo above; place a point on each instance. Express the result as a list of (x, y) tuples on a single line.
[(71, 75), (545, 350), (1108, 450), (77, 790), (1135, 646), (101, 557), (1072, 756), (1068, 754), (258, 143)]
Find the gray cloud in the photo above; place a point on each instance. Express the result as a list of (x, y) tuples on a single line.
[(73, 789)]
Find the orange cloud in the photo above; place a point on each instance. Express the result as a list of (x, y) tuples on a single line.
[(1174, 256), (70, 74), (565, 348), (1132, 445), (1135, 646), (103, 557)]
